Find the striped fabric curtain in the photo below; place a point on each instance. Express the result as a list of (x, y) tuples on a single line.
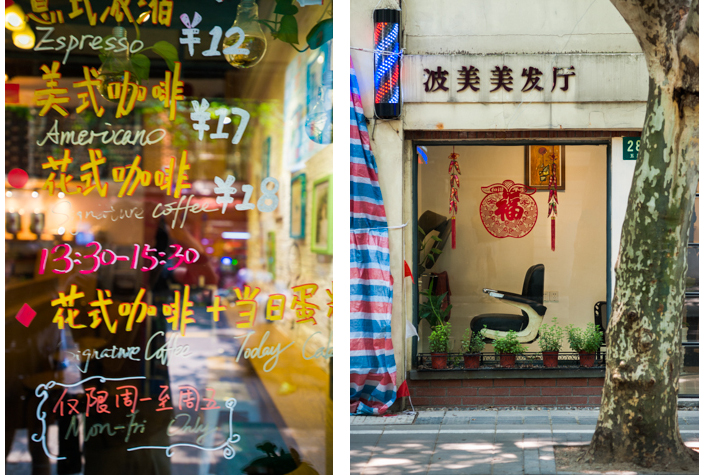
[(372, 366)]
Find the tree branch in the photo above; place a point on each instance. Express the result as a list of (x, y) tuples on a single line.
[(656, 24), (688, 48)]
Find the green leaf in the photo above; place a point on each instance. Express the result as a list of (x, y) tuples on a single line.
[(166, 51), (283, 8), (436, 238), (421, 230), (320, 34), (288, 30), (141, 64), (437, 251)]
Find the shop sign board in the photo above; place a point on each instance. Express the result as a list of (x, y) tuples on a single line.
[(501, 78), (631, 147)]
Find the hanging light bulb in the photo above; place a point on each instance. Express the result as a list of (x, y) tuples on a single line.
[(115, 66), (319, 121), (15, 19), (25, 38), (245, 37)]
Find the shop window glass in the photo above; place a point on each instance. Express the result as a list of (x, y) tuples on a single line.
[(166, 309), (495, 255), (692, 280)]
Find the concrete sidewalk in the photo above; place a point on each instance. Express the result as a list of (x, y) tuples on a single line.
[(476, 442)]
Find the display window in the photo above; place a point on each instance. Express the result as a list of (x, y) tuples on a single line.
[(502, 218), (168, 237), (502, 229)]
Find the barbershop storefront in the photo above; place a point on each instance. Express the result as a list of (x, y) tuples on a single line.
[(487, 123), (168, 239)]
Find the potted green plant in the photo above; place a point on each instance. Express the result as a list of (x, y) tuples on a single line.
[(585, 341), (471, 346), (430, 309), (550, 343), (508, 347), (439, 345)]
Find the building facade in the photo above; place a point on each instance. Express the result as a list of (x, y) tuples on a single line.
[(500, 87)]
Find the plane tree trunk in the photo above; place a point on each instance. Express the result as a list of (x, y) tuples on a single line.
[(638, 419)]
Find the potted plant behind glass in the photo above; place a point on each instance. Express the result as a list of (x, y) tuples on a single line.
[(439, 345), (585, 341), (471, 347), (508, 347), (550, 343), (430, 310)]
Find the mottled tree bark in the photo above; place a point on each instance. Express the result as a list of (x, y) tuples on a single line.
[(638, 420)]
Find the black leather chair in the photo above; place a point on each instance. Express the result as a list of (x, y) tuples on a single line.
[(529, 301)]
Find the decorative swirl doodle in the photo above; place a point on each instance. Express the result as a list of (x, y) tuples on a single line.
[(41, 392), (226, 446)]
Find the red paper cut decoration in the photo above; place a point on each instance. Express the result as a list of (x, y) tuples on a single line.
[(508, 210), (454, 171), (552, 197)]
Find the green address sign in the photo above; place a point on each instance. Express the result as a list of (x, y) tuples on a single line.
[(631, 147)]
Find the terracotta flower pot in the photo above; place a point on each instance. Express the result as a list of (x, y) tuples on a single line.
[(507, 360), (438, 360), (586, 359), (472, 361), (550, 358)]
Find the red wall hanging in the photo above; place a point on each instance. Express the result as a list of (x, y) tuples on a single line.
[(552, 197), (454, 171), (508, 209)]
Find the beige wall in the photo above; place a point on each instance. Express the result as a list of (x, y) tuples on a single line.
[(577, 269)]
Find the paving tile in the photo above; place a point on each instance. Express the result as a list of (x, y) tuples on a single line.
[(461, 466), (526, 427), (537, 420), (363, 441), (427, 420), (531, 461), (456, 421), (407, 443), (563, 420), (472, 446), (400, 464), (433, 413), (508, 468), (483, 420), (508, 420)]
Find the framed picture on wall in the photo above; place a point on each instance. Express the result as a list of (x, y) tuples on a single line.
[(322, 216), (538, 166), (298, 206)]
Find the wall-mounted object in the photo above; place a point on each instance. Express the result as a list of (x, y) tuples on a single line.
[(508, 209), (387, 63), (322, 216), (37, 223), (319, 121), (298, 207), (12, 222), (246, 38), (538, 161)]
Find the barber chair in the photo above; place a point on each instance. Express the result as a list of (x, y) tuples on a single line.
[(529, 301)]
